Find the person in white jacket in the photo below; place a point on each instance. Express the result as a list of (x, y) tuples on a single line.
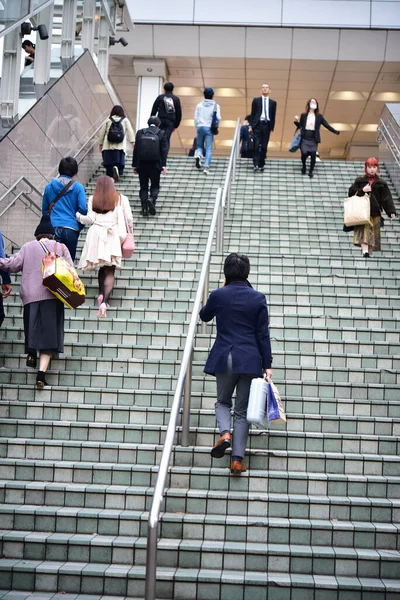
[(203, 117), (114, 139)]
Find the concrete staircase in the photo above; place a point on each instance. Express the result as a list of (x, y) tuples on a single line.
[(316, 517)]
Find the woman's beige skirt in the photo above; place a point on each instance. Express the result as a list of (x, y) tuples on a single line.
[(369, 234)]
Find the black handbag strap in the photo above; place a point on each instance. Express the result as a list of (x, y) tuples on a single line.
[(63, 191)]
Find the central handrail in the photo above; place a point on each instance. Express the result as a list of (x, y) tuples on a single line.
[(184, 376)]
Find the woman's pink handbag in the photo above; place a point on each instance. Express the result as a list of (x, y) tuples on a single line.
[(128, 245)]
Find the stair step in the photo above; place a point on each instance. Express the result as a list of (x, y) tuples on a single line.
[(182, 584)]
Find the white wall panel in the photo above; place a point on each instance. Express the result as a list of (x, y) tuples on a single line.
[(222, 41), (154, 11), (176, 41), (266, 42), (257, 12), (313, 43), (362, 45), (393, 46), (331, 13), (385, 14)]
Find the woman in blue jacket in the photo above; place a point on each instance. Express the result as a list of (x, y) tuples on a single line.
[(62, 199), (242, 351)]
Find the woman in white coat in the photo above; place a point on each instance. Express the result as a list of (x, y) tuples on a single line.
[(110, 217)]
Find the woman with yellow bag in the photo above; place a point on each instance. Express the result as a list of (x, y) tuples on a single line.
[(110, 217), (43, 313), (369, 236)]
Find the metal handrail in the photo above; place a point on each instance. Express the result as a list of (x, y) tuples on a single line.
[(22, 193), (95, 132), (183, 383), (384, 131)]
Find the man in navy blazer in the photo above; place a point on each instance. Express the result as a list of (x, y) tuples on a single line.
[(242, 351), (262, 122)]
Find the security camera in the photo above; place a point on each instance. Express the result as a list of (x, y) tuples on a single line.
[(121, 40), (42, 31), (26, 29)]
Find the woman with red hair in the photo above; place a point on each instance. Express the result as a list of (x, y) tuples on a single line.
[(380, 198)]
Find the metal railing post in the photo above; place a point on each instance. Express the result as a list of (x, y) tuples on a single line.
[(218, 243), (151, 562), (205, 295), (187, 390)]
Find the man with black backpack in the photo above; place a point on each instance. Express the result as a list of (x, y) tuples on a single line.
[(149, 159), (168, 108)]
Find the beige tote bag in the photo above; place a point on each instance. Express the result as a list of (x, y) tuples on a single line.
[(357, 211)]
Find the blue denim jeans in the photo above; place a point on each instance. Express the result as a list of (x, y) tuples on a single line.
[(204, 137), (69, 237)]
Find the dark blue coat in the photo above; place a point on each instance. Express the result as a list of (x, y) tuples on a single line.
[(242, 329)]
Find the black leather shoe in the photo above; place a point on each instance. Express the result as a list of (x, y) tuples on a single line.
[(311, 174), (303, 170), (31, 360), (151, 208), (145, 212)]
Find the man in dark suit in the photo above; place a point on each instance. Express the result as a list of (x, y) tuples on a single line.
[(149, 160), (262, 122), (168, 108), (242, 351)]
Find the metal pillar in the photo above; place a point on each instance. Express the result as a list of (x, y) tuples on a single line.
[(68, 29), (88, 28), (102, 50), (41, 73), (151, 74), (10, 79)]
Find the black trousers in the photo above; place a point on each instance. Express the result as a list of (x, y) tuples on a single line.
[(168, 127), (262, 132), (149, 173)]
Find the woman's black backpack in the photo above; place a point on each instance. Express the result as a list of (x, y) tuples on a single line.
[(116, 132)]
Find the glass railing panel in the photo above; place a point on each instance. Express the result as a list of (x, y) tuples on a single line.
[(389, 142), (60, 124)]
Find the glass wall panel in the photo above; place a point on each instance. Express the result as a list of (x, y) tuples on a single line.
[(12, 11), (64, 122)]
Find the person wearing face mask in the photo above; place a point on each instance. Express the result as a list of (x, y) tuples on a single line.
[(309, 124), (369, 236)]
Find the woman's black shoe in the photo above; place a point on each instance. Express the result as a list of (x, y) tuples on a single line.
[(40, 380), (311, 174), (31, 361), (303, 170)]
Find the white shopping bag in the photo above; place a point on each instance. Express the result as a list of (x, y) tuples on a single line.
[(257, 401)]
